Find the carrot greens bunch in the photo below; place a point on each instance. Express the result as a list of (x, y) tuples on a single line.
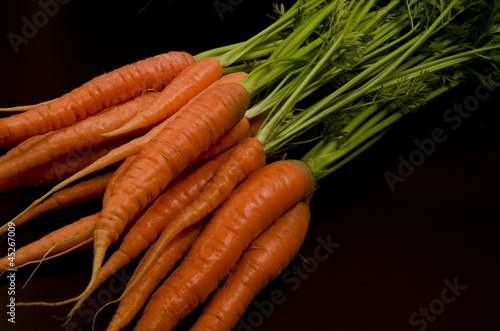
[(351, 96), (194, 189), (424, 58)]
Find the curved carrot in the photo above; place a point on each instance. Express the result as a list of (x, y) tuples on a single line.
[(147, 228), (81, 136), (23, 108), (23, 145), (83, 191), (132, 301), (254, 205), (131, 148), (244, 129), (191, 81), (235, 77), (193, 131), (237, 134), (120, 171), (99, 93), (255, 124), (265, 258), (58, 241), (27, 143), (60, 168), (155, 219), (242, 160)]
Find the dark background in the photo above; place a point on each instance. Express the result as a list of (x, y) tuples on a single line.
[(392, 253)]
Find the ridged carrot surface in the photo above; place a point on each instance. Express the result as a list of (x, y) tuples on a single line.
[(242, 160), (80, 137), (132, 301), (61, 168), (265, 258), (91, 188), (147, 227), (191, 81), (194, 129), (106, 90), (57, 241), (254, 205)]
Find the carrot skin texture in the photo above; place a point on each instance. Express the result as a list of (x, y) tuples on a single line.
[(234, 136), (193, 131), (61, 168), (132, 302), (255, 124), (254, 205), (99, 93), (237, 134), (190, 82), (36, 250), (242, 160), (83, 191), (81, 136), (25, 144), (135, 145), (263, 261), (155, 219), (147, 227), (122, 169), (22, 108)]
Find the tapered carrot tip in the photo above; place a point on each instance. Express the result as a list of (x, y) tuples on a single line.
[(103, 91), (251, 208), (103, 238), (55, 243), (189, 83), (263, 261), (102, 241)]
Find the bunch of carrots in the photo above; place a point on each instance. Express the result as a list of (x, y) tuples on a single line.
[(178, 147)]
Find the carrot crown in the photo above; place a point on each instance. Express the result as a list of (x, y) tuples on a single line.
[(339, 74)]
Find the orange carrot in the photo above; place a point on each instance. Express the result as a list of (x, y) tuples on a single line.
[(255, 124), (191, 81), (254, 205), (59, 241), (132, 301), (265, 258), (23, 108), (242, 130), (83, 191), (235, 77), (122, 169), (193, 131), (242, 160), (25, 144), (147, 228), (131, 148), (81, 136), (228, 140), (99, 93), (60, 168), (165, 207), (237, 134)]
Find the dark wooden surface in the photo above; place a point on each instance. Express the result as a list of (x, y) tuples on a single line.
[(423, 256)]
